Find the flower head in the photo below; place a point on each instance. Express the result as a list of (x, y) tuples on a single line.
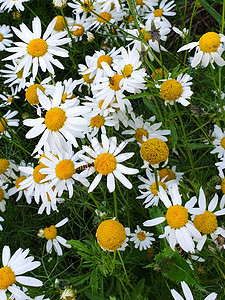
[(142, 239)]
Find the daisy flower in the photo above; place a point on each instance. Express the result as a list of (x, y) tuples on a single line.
[(142, 131), (59, 3), (54, 240), (9, 4), (205, 221), (8, 98), (129, 66), (7, 169), (170, 175), (81, 7), (144, 5), (208, 50), (154, 151), (86, 79), (36, 51), (151, 190), (3, 195), (7, 121), (160, 13), (14, 77), (182, 33), (1, 220), (108, 4), (111, 235), (176, 90), (4, 35), (107, 161), (79, 26), (62, 121), (218, 142), (221, 187), (13, 267), (60, 171), (142, 239), (188, 294), (32, 87), (179, 229), (67, 293)]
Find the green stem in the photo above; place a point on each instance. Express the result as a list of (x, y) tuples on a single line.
[(115, 204), (156, 178), (124, 269), (95, 201), (185, 139), (223, 15), (34, 14), (218, 89)]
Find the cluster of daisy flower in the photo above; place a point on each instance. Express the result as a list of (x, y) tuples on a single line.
[(83, 125)]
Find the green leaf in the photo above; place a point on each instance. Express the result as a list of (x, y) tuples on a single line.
[(80, 246), (92, 296), (151, 106), (198, 146), (212, 11), (173, 266), (173, 134), (94, 281)]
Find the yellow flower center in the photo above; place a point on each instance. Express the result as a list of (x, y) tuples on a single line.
[(97, 121), (79, 31), (87, 6), (37, 47), (105, 163), (146, 35), (3, 124), (87, 78), (171, 90), (139, 133), (177, 216), (111, 234), (50, 233), (1, 194), (64, 169), (104, 15), (209, 42), (60, 24), (222, 143), (141, 236), (10, 99), (37, 175), (167, 172), (140, 2), (4, 164), (31, 93), (1, 37), (130, 19), (105, 58), (223, 186), (158, 72), (158, 13), (55, 118), (19, 180), (7, 278), (154, 151), (20, 74), (206, 223), (114, 82), (127, 71), (154, 188)]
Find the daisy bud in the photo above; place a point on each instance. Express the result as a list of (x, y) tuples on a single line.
[(59, 3)]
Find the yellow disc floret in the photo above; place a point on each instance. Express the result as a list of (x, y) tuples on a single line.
[(222, 143), (79, 31), (60, 24), (206, 223), (97, 121), (87, 5), (19, 180), (223, 186), (55, 118), (114, 82), (4, 164), (141, 236), (1, 37), (7, 278), (3, 125), (171, 90), (111, 235), (1, 194), (154, 188), (31, 93), (154, 151), (177, 216), (127, 71), (104, 15), (87, 78), (209, 42), (167, 172), (37, 47), (37, 176), (140, 2), (158, 13), (147, 35), (50, 233), (139, 134), (104, 58), (65, 169), (105, 163)]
